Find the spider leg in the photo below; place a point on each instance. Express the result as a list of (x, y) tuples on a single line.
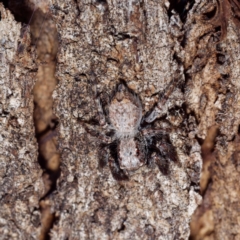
[(101, 115), (159, 107), (117, 172), (112, 160), (162, 152), (151, 132), (103, 155), (98, 132), (114, 166), (98, 103), (155, 155), (159, 160), (167, 149)]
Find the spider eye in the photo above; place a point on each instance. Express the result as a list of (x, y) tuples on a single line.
[(121, 87)]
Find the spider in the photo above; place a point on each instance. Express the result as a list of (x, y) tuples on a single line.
[(128, 141)]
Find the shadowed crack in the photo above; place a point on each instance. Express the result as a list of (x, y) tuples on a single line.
[(44, 37)]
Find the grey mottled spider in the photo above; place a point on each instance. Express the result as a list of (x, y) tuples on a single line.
[(128, 141)]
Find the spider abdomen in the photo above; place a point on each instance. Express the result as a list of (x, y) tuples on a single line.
[(130, 154)]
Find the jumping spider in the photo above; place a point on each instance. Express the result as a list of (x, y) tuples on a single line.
[(128, 141)]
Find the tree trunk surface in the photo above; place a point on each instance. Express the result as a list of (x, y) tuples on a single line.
[(138, 42), (150, 45), (21, 184)]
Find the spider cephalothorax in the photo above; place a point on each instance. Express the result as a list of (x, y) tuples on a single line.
[(128, 141)]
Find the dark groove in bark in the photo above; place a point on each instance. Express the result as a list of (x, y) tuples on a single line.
[(28, 14)]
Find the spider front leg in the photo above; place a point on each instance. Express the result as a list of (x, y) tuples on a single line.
[(161, 104), (104, 134), (97, 101), (151, 132)]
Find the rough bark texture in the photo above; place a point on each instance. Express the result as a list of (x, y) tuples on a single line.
[(136, 41), (212, 66), (21, 185), (148, 45)]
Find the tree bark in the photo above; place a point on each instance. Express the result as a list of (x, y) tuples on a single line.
[(149, 45), (212, 66), (137, 41), (20, 174)]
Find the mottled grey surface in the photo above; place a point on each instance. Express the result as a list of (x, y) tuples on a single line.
[(148, 46), (134, 41), (20, 175), (212, 46)]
